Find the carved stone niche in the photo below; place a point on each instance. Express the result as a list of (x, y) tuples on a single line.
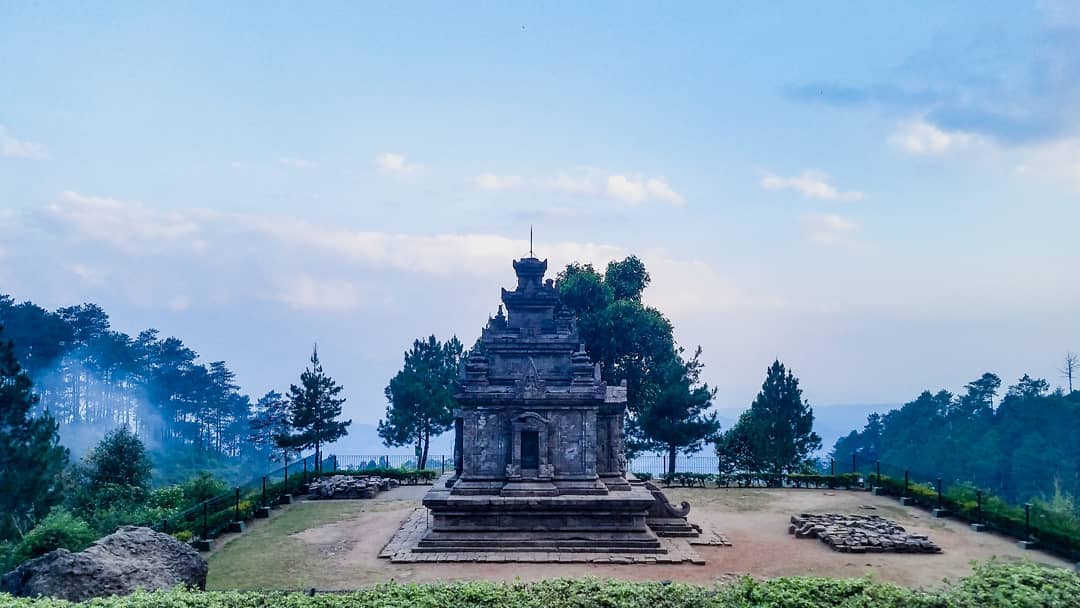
[(529, 455)]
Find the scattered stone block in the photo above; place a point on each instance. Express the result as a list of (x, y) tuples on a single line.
[(906, 500), (262, 512), (859, 533), (204, 544), (1027, 545), (978, 527), (940, 513), (236, 527)]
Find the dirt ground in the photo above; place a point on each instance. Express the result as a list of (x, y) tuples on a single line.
[(342, 554)]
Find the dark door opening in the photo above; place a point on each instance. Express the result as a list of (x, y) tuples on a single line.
[(530, 450)]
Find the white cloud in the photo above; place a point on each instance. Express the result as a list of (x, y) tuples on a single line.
[(304, 292), (632, 190), (394, 164), (298, 163), (921, 137), (127, 225), (88, 276), (626, 190), (811, 184), (12, 147), (497, 183), (661, 190), (830, 229)]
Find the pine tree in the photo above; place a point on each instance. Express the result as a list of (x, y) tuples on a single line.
[(782, 423), (674, 416), (314, 407), (421, 395), (31, 458)]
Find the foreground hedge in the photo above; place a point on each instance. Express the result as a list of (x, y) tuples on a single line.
[(992, 585)]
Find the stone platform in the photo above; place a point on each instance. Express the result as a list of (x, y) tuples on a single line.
[(400, 550), (608, 523)]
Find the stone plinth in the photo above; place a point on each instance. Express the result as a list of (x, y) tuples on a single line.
[(613, 522)]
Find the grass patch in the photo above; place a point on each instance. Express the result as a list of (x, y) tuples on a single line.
[(268, 557)]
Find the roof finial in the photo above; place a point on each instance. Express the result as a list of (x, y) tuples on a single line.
[(530, 242)]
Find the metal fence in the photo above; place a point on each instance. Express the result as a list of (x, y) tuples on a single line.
[(438, 462)]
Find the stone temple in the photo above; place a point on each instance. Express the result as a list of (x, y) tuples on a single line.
[(540, 463)]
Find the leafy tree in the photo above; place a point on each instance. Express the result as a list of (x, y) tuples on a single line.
[(111, 481), (629, 340), (421, 395), (314, 407), (781, 423), (31, 458), (675, 417), (120, 460)]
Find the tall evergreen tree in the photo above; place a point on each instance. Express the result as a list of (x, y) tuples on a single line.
[(674, 416), (31, 458), (314, 407), (269, 421), (782, 423), (421, 395)]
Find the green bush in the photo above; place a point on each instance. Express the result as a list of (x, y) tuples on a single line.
[(59, 529), (991, 585), (203, 486), (644, 476)]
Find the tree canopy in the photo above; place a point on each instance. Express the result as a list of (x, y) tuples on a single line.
[(776, 435), (1020, 447), (31, 457), (314, 407), (666, 403), (421, 395)]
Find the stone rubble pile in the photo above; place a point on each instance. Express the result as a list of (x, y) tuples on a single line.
[(859, 533), (349, 486)]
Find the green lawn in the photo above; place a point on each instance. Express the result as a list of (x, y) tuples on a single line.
[(267, 557)]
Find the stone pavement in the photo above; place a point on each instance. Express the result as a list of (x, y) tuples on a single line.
[(399, 550)]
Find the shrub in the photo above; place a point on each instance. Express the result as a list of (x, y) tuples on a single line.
[(203, 486), (643, 476), (59, 529), (991, 584)]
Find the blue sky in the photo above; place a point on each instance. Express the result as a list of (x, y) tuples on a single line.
[(884, 197)]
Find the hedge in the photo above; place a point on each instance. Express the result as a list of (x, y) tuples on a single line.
[(991, 585)]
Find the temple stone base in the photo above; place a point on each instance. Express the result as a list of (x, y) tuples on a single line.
[(614, 522)]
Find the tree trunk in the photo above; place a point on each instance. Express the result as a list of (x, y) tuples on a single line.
[(672, 451), (424, 452)]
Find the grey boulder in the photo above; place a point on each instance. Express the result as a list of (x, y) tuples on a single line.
[(131, 558)]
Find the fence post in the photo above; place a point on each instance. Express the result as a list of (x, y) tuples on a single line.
[(264, 491), (305, 470), (286, 475), (832, 466), (907, 476), (978, 503), (236, 516), (204, 509), (334, 456), (164, 526), (939, 492), (877, 465), (443, 461), (854, 465), (1027, 521)]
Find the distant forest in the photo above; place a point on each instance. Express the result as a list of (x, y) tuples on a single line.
[(92, 379), (1023, 446)]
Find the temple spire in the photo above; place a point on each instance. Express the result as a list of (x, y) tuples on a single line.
[(531, 242)]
